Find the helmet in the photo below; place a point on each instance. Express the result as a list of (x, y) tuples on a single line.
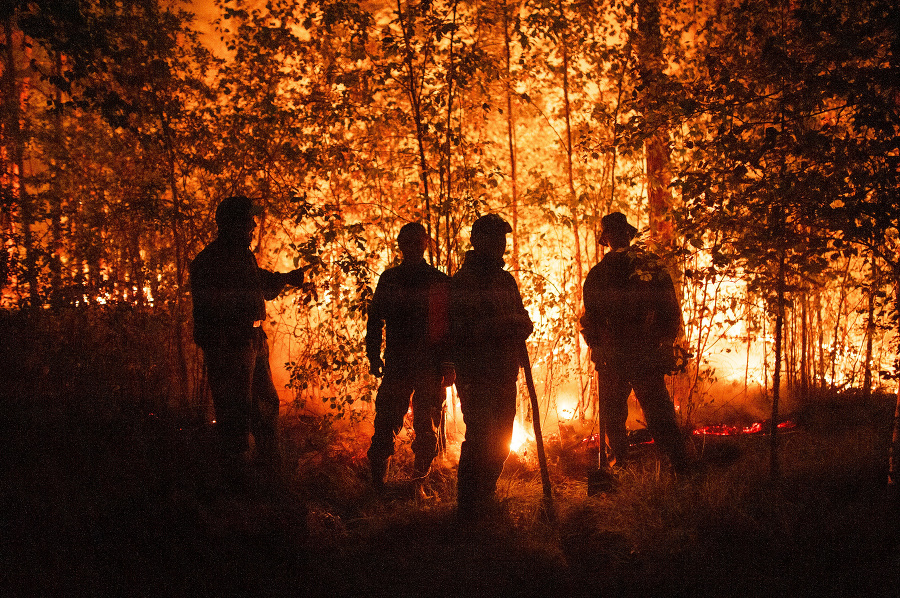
[(490, 225), (236, 210), (411, 232)]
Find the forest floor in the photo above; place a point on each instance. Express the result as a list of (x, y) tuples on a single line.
[(106, 502)]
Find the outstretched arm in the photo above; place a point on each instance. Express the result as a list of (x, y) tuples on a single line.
[(274, 282)]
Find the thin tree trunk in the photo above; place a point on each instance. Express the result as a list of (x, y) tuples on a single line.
[(894, 449), (176, 223), (659, 176), (804, 347), (573, 207), (893, 467), (17, 146), (447, 153), (870, 332), (415, 102), (511, 138), (776, 376), (820, 341), (749, 347), (56, 195), (837, 325)]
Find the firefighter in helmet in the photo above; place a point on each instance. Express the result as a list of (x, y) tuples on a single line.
[(409, 312), (488, 327)]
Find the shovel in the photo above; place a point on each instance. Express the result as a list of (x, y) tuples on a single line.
[(600, 479), (539, 440)]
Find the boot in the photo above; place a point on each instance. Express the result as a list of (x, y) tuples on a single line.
[(379, 470), (421, 468)]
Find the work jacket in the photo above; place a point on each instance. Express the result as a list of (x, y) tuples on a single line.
[(488, 322), (409, 310), (229, 292), (631, 311)]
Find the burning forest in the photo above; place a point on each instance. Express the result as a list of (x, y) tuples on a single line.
[(753, 146)]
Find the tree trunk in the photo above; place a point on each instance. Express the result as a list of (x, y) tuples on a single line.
[(804, 346), (180, 258), (870, 332), (415, 102), (445, 162), (820, 341), (894, 448), (56, 195), (511, 137), (573, 207), (837, 325), (17, 144), (776, 376), (659, 173)]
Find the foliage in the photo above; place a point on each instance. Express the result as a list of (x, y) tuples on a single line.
[(348, 119)]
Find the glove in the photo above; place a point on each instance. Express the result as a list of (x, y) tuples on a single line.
[(448, 375), (295, 277), (376, 367)]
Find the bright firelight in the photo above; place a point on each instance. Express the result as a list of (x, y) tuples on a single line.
[(519, 437)]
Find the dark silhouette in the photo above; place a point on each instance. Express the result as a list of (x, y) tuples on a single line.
[(229, 294), (488, 327), (631, 321), (409, 309)]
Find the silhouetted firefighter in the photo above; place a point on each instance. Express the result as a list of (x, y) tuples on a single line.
[(488, 328), (408, 309), (631, 321), (229, 294)]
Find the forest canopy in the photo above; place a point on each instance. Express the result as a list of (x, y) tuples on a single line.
[(756, 144)]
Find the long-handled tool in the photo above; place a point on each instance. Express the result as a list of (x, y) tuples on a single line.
[(600, 478), (539, 439)]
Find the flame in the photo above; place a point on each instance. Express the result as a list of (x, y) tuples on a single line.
[(566, 407), (519, 437)]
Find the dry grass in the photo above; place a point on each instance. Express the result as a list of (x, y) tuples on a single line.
[(130, 505), (102, 499)]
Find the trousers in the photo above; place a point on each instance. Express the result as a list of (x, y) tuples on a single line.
[(489, 412), (244, 396), (392, 401), (649, 385)]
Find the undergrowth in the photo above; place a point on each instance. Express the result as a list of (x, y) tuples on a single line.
[(104, 496)]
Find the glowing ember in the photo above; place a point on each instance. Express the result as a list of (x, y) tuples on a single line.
[(756, 428)]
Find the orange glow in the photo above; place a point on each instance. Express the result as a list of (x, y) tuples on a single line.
[(566, 407), (754, 428), (519, 437)]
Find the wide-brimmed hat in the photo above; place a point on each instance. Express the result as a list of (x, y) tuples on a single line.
[(615, 223), (490, 225), (236, 210)]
